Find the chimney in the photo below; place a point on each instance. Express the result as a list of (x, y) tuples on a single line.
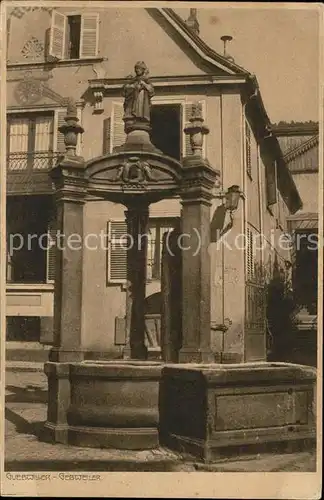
[(225, 39), (192, 21)]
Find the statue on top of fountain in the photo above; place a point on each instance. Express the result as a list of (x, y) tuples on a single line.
[(138, 92)]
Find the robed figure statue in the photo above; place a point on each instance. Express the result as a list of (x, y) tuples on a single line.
[(138, 92)]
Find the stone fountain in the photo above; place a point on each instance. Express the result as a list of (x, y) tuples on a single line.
[(116, 404), (134, 403)]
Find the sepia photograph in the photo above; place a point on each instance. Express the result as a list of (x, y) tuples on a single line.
[(161, 248)]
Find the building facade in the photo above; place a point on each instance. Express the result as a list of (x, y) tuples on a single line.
[(87, 55), (299, 143)]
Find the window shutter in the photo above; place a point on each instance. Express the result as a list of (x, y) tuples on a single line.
[(106, 147), (57, 36), (118, 133), (248, 162), (186, 113), (60, 146), (250, 255), (117, 253), (271, 185), (89, 35), (51, 251)]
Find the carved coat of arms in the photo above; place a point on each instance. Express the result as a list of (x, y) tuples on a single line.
[(134, 171)]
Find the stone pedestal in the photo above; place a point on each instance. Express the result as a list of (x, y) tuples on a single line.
[(46, 330), (222, 410), (59, 396), (196, 194)]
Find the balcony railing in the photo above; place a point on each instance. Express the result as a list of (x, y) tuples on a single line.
[(37, 161)]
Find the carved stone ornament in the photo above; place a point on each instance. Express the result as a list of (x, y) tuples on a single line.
[(196, 112), (29, 91), (19, 12), (134, 171), (33, 49), (98, 104)]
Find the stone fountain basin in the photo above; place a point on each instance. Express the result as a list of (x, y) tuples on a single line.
[(114, 404), (212, 410), (205, 409)]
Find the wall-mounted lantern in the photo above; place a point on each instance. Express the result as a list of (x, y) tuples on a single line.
[(231, 200), (232, 197)]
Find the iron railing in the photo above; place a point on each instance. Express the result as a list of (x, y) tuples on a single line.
[(37, 161), (255, 306)]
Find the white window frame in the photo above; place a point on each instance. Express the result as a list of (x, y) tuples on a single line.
[(182, 101), (70, 14)]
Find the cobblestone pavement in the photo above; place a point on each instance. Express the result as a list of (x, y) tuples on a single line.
[(26, 396)]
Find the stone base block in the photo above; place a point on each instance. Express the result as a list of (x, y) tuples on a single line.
[(214, 410), (55, 433), (118, 438), (198, 448), (112, 404)]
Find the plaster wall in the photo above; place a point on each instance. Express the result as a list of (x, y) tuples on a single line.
[(307, 185)]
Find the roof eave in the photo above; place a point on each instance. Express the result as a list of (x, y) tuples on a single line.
[(204, 51), (293, 199)]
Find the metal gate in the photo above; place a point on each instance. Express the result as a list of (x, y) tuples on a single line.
[(255, 321)]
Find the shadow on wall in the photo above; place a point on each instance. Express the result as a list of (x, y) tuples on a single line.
[(153, 303)]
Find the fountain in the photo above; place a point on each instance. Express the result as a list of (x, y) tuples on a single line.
[(134, 403), (115, 404)]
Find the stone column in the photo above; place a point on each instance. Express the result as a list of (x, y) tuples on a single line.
[(137, 216), (196, 193), (70, 199), (171, 290), (70, 192)]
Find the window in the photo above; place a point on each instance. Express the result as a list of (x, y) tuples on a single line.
[(27, 216), (167, 121), (157, 229), (30, 140), (248, 162), (73, 34), (271, 183), (23, 328), (166, 129), (306, 269), (117, 258), (73, 37)]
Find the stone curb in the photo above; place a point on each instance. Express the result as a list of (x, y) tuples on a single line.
[(24, 367)]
